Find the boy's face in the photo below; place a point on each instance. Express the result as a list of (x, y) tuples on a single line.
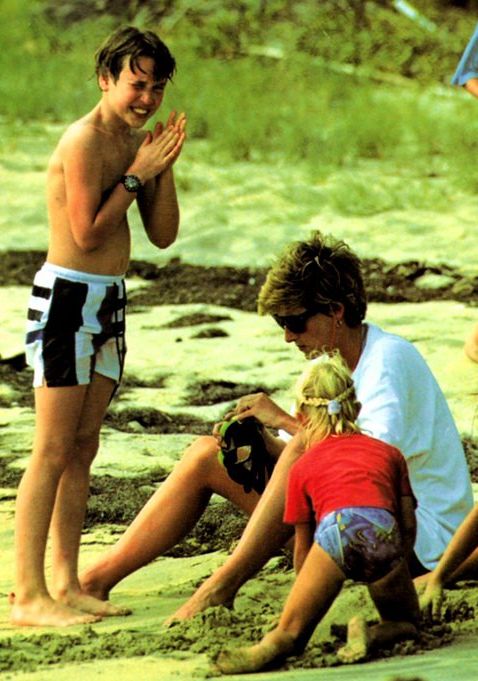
[(135, 96)]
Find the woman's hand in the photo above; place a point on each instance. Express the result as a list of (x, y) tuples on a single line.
[(261, 407)]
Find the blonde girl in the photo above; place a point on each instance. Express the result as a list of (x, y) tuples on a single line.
[(352, 507)]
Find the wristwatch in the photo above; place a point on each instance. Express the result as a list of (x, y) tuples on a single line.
[(131, 183)]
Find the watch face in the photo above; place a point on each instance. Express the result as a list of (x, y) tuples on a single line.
[(131, 183)]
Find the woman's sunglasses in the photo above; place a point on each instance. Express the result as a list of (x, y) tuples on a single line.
[(296, 323)]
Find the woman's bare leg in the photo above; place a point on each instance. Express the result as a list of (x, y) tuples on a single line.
[(396, 600), (315, 589), (263, 536), (52, 450), (168, 516)]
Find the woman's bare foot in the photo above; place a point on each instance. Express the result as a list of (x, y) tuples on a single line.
[(90, 604), (45, 612), (273, 646), (205, 597), (357, 645), (90, 585)]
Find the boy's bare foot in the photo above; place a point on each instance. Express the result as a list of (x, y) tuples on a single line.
[(95, 606), (242, 660), (357, 644), (45, 612)]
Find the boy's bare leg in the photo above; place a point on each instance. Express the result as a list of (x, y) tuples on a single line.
[(168, 516), (31, 602), (397, 603), (263, 536), (70, 506), (315, 589)]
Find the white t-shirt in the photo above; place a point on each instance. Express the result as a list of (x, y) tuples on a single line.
[(403, 405)]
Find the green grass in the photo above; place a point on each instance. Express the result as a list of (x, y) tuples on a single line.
[(278, 111), (47, 72)]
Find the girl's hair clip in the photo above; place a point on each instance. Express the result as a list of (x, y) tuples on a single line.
[(334, 407)]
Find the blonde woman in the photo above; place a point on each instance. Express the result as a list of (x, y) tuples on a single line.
[(350, 501)]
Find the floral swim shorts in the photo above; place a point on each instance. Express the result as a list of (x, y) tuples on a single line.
[(365, 542)]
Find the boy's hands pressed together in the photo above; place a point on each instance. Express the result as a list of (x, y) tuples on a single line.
[(160, 148), (172, 123), (179, 124)]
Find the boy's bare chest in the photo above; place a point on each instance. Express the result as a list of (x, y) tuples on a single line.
[(116, 158)]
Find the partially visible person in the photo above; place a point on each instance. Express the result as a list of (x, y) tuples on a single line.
[(76, 318), (466, 75), (460, 561), (471, 345), (315, 292), (352, 507)]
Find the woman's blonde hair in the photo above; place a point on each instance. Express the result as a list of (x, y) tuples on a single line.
[(325, 396)]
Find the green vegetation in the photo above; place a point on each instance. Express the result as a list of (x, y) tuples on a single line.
[(321, 85)]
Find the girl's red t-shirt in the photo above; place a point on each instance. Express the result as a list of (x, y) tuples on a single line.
[(343, 471)]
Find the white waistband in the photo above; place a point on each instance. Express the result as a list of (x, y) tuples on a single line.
[(86, 277)]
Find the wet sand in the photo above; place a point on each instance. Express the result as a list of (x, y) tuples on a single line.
[(168, 397)]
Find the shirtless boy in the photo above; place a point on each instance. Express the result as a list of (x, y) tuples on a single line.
[(75, 332)]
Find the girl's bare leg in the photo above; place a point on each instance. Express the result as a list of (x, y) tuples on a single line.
[(168, 516), (396, 600), (263, 536), (32, 603), (315, 589), (70, 506)]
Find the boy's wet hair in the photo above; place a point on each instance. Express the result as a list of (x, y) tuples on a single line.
[(319, 272), (131, 44)]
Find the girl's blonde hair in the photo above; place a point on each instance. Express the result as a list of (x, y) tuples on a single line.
[(325, 396)]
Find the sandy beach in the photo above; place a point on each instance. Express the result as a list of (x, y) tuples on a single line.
[(195, 345), (189, 358), (301, 116)]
